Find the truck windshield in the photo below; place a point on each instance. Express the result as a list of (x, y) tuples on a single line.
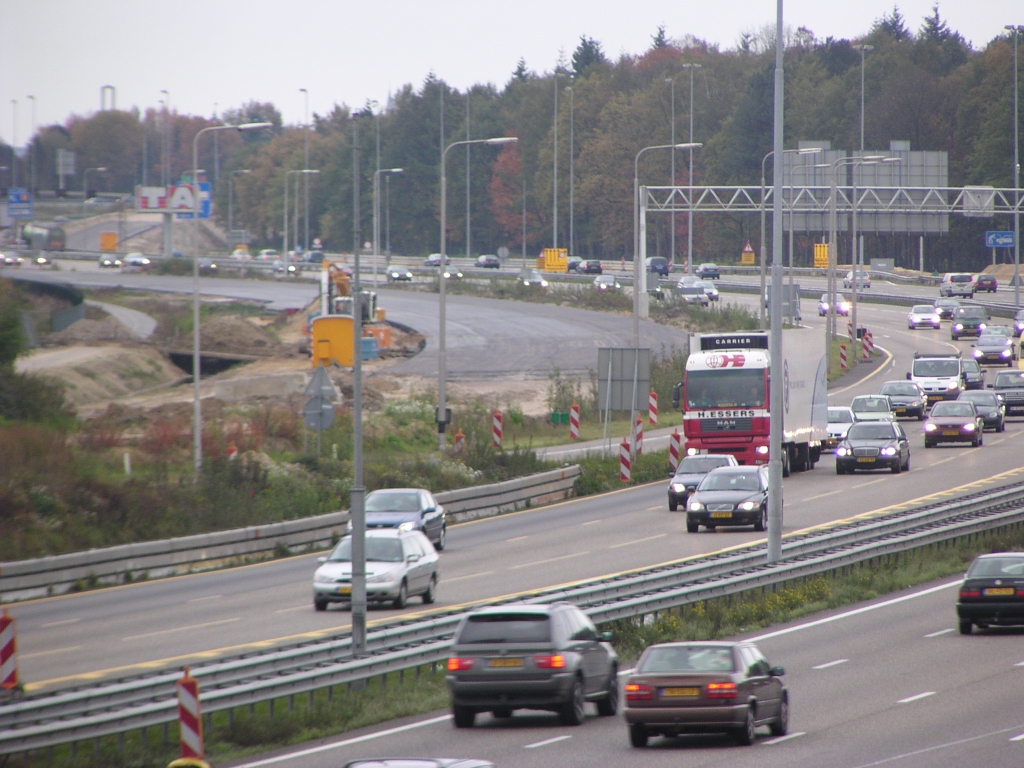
[(936, 367), (725, 389)]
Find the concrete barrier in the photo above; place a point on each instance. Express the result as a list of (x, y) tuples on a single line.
[(25, 579)]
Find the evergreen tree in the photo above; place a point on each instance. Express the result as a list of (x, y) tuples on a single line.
[(659, 39), (521, 73), (893, 24), (587, 54)]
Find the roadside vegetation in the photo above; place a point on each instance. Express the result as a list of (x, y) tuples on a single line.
[(420, 691)]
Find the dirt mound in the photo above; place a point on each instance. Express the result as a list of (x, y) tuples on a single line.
[(87, 331), (234, 335)]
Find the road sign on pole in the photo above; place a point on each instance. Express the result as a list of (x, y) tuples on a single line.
[(999, 239), (19, 203), (321, 385)]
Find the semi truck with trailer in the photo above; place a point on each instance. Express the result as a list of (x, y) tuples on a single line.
[(725, 394)]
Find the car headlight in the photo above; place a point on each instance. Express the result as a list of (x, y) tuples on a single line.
[(695, 506), (981, 326), (936, 319), (930, 427), (914, 404), (691, 451), (959, 326), (543, 283), (888, 451), (748, 506), (978, 353), (968, 427), (1005, 353), (993, 414), (321, 578), (842, 451), (761, 449), (381, 578), (678, 487), (526, 282), (953, 385), (407, 526)]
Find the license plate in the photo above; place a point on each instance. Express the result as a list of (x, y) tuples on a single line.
[(999, 591), (901, 410), (505, 662), (669, 693), (866, 460), (934, 397), (344, 590), (721, 514), (950, 432)]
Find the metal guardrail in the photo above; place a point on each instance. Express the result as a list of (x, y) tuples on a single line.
[(109, 708)]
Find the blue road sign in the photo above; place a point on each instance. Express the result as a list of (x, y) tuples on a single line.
[(999, 239), (204, 202), (19, 203)]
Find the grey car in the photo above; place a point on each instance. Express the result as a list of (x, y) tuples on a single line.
[(407, 509), (399, 564), (690, 472), (989, 406), (730, 496), (509, 657)]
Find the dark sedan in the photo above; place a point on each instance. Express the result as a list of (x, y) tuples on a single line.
[(968, 321), (399, 275), (434, 260), (730, 496), (702, 687), (994, 349), (690, 472), (974, 377), (873, 445), (907, 398), (591, 267), (992, 592), (989, 406), (408, 509), (953, 421), (1018, 322), (986, 282), (1009, 385), (708, 271), (489, 261), (658, 265), (946, 308)]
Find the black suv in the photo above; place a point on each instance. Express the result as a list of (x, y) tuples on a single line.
[(508, 657), (968, 321), (1010, 386)]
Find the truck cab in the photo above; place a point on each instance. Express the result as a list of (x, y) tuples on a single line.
[(940, 376)]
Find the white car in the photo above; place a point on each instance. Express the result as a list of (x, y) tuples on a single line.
[(839, 420), (872, 408), (709, 289), (10, 260), (135, 262), (923, 315), (399, 564), (109, 261), (268, 254), (863, 279)]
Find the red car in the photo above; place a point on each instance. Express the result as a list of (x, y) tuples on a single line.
[(985, 282)]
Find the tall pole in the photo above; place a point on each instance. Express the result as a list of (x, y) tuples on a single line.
[(305, 163), (387, 218), (14, 143), (231, 193), (32, 147), (1016, 29), (468, 217), (763, 255), (672, 140), (522, 174), (689, 179), (554, 174), (572, 170), (376, 211), (775, 343), (357, 494), (863, 50)]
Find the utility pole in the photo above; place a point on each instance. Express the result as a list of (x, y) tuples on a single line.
[(358, 493)]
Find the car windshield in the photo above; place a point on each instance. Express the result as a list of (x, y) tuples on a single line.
[(971, 366), (993, 341), (378, 550), (953, 409), (726, 481), (870, 432), (1020, 315), (899, 388), (1010, 379), (937, 368), (839, 416), (922, 309), (870, 404), (604, 279), (690, 658), (529, 274), (393, 501), (506, 628), (725, 389), (997, 566), (981, 398), (971, 313), (959, 278), (701, 465)]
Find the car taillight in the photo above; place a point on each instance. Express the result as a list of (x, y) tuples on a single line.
[(639, 692), (459, 665), (1020, 593), (721, 691), (970, 593), (549, 662)]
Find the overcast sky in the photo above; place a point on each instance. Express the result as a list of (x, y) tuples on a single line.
[(216, 54)]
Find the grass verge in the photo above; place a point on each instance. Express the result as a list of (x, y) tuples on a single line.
[(302, 718)]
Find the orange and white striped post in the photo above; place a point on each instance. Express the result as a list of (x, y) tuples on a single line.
[(8, 652), (871, 340), (574, 421), (652, 408), (190, 720), (639, 434), (459, 442), (673, 450), (624, 461), (497, 428), (865, 354), (843, 365)]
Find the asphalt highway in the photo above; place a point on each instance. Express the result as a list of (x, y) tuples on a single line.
[(889, 682)]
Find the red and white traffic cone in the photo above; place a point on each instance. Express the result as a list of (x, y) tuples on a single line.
[(639, 436), (843, 365), (673, 450), (459, 442), (190, 720), (652, 408), (871, 341), (865, 354), (497, 428), (232, 452), (8, 652), (574, 421), (624, 461)]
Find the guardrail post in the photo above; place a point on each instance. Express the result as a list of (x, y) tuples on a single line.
[(190, 720)]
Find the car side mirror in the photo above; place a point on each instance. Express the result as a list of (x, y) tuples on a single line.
[(430, 509), (321, 559), (606, 637), (777, 671), (413, 558), (990, 386), (908, 375)]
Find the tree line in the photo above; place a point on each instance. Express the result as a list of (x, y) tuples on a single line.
[(928, 86)]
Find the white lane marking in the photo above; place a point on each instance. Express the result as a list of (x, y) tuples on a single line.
[(60, 623), (347, 742), (653, 509), (940, 632), (933, 464), (549, 560), (1015, 738), (181, 629), (828, 664), (1018, 664), (589, 522), (294, 607), (546, 742), (55, 651), (871, 375), (809, 498), (856, 611), (208, 597), (635, 541), (457, 578), (926, 750), (862, 485), (787, 737), (918, 697), (517, 538)]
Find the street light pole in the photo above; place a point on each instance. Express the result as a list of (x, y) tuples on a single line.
[(231, 195), (197, 412), (305, 172), (572, 172), (689, 178), (554, 173), (672, 140), (14, 143), (85, 183), (305, 162), (442, 361), (1016, 29), (775, 406), (32, 147), (863, 48), (376, 215)]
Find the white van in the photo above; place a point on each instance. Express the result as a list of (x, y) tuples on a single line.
[(957, 284)]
